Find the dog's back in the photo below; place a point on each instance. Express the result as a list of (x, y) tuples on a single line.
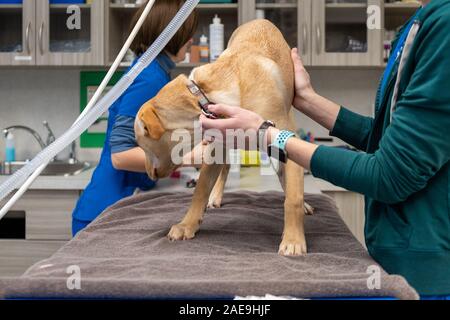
[(266, 72), (261, 38)]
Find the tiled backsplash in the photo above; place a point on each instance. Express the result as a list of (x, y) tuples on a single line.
[(30, 96)]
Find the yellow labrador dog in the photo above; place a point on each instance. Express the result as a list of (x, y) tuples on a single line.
[(255, 72)]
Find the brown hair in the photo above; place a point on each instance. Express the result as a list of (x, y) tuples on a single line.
[(161, 14)]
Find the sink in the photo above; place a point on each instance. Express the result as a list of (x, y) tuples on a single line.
[(57, 168)]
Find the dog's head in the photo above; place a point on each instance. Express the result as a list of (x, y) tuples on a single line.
[(174, 107)]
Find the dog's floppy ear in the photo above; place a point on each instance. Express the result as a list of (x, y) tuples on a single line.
[(153, 126)]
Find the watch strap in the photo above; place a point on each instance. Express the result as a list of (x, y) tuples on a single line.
[(262, 132), (278, 148), (282, 139)]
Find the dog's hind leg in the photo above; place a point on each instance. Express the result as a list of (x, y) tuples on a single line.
[(215, 199), (187, 228), (293, 242)]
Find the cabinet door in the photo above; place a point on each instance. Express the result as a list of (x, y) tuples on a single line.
[(292, 17), (17, 33), (304, 36), (341, 36), (246, 11), (70, 35)]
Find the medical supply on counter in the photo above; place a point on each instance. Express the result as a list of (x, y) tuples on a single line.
[(10, 150), (389, 37), (204, 49), (191, 184), (260, 14), (217, 38), (250, 158), (306, 136)]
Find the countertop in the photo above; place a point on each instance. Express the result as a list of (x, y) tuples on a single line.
[(78, 182), (249, 179)]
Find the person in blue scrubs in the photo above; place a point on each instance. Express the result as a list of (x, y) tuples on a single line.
[(121, 170)]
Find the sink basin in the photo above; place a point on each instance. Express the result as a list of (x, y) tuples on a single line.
[(57, 168)]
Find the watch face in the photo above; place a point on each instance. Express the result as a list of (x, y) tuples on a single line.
[(271, 123), (277, 153)]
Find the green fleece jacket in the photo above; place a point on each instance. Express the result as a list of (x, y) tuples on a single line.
[(405, 169)]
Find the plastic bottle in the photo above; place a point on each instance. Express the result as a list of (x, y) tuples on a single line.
[(10, 151), (204, 49), (217, 38)]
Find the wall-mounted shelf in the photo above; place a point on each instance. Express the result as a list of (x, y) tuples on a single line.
[(396, 14), (344, 6), (401, 8), (204, 6), (276, 5), (12, 7), (65, 6)]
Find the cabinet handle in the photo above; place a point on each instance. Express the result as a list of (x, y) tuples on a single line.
[(41, 38), (305, 39), (27, 37), (319, 39)]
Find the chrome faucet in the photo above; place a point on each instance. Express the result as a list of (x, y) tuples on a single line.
[(50, 137), (73, 153), (29, 130)]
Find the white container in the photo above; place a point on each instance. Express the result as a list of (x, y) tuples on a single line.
[(217, 38), (260, 14)]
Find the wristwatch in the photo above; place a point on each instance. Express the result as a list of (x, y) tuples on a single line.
[(277, 149), (262, 133)]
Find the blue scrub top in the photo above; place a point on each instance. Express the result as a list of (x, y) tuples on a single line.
[(109, 185)]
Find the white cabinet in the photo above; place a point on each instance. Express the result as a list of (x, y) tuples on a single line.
[(292, 17), (70, 35), (43, 34), (17, 34), (351, 210), (37, 226), (341, 35), (327, 32)]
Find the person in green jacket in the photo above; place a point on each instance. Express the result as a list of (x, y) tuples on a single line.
[(404, 171)]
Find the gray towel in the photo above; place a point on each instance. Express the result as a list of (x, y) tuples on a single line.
[(125, 254)]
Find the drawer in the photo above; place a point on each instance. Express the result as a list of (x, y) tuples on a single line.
[(48, 214)]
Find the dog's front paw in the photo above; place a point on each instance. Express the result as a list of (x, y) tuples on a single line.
[(182, 232), (293, 246), (309, 211)]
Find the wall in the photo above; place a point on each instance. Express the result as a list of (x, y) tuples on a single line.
[(352, 88), (30, 96)]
